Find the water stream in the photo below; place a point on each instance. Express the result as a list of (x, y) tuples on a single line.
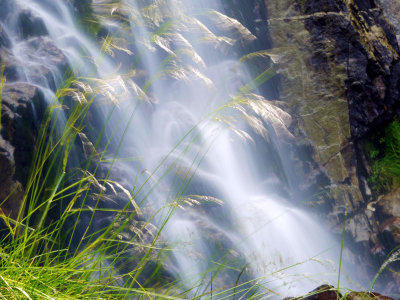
[(197, 166)]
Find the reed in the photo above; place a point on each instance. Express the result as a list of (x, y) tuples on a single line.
[(54, 248)]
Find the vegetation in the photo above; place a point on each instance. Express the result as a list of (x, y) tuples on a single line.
[(46, 254), (54, 249), (384, 154)]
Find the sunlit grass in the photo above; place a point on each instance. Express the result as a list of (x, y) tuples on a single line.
[(40, 258)]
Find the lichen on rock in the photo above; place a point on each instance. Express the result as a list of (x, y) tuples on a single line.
[(340, 80)]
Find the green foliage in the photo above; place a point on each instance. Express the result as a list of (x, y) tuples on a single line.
[(384, 153), (38, 259)]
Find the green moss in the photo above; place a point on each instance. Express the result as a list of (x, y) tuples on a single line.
[(383, 152)]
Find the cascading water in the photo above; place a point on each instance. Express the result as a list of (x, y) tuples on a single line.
[(186, 119)]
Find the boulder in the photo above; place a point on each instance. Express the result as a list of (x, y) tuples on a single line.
[(13, 70), (30, 25), (22, 104), (11, 190), (323, 292), (389, 206), (6, 57), (328, 292), (43, 63), (366, 296)]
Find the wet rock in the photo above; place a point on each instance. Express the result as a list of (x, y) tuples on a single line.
[(44, 63), (37, 60), (313, 86), (328, 292), (340, 78), (10, 188), (366, 296), (6, 56), (17, 140), (390, 203), (30, 25), (360, 228), (323, 292), (44, 47), (389, 206), (13, 68), (4, 39)]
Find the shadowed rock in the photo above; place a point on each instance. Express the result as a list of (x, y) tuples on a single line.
[(17, 139), (328, 292), (30, 25)]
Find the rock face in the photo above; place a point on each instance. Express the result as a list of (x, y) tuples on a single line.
[(30, 60), (17, 140), (338, 62)]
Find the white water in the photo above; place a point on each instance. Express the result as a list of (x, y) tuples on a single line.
[(177, 137)]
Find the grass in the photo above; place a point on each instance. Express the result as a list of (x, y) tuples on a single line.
[(39, 259), (45, 253), (384, 155)]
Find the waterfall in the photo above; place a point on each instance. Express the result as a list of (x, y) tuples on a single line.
[(186, 105)]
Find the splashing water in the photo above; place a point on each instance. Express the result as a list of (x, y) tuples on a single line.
[(184, 114)]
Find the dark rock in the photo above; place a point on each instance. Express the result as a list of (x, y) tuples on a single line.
[(44, 63), (253, 14), (10, 189), (366, 296), (340, 79), (17, 140), (13, 68), (323, 292), (37, 60), (389, 206), (30, 25), (312, 6), (11, 64), (44, 47), (4, 39), (328, 292)]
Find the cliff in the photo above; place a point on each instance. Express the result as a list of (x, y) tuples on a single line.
[(340, 77)]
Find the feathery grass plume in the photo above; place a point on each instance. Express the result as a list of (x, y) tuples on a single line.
[(190, 24), (392, 257), (229, 122), (95, 269), (198, 199), (230, 26), (256, 111), (111, 43), (275, 54)]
